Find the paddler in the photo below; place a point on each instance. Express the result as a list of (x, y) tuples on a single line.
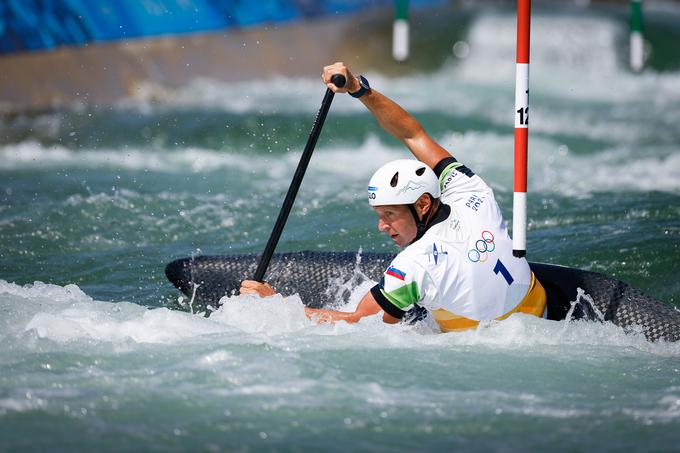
[(457, 259)]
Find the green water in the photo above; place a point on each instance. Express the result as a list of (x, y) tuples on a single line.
[(94, 203)]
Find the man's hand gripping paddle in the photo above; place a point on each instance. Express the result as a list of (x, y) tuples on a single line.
[(339, 81)]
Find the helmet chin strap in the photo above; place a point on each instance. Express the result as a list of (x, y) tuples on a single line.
[(421, 225)]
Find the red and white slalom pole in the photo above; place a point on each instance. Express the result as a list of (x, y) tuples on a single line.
[(519, 208)]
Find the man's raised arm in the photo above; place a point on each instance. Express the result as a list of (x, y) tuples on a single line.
[(394, 119)]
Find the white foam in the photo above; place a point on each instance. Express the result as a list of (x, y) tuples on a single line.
[(270, 315), (20, 405), (613, 169), (119, 322), (339, 161), (33, 155), (66, 314), (552, 166), (665, 410), (53, 293), (217, 357)]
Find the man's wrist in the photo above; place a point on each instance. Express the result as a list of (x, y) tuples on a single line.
[(356, 86), (364, 87)]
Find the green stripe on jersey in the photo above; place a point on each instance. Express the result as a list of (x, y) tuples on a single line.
[(404, 296), (449, 168)]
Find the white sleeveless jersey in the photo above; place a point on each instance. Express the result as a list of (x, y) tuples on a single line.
[(463, 264)]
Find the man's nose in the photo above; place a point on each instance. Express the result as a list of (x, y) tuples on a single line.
[(382, 225)]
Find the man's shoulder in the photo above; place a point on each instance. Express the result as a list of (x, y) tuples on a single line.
[(456, 179)]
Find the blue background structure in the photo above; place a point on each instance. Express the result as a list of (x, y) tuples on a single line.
[(27, 25)]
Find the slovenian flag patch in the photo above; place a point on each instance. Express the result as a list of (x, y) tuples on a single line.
[(396, 273)]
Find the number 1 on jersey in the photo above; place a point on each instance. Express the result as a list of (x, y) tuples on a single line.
[(500, 267)]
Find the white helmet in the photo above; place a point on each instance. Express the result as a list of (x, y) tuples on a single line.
[(402, 181)]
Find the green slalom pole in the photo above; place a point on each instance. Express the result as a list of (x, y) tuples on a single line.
[(400, 31)]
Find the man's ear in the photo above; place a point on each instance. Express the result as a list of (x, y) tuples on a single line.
[(424, 203)]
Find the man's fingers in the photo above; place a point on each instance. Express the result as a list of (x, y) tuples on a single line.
[(331, 70), (253, 287), (249, 284)]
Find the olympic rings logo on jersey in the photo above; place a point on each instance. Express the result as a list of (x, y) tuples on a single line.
[(483, 247)]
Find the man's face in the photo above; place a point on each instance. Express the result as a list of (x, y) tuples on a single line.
[(398, 222)]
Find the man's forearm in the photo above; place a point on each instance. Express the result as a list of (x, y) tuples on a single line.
[(325, 315), (404, 127), (394, 119)]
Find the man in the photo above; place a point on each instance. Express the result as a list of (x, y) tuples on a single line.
[(457, 257)]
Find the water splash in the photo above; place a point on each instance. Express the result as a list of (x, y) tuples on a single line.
[(342, 291), (585, 303)]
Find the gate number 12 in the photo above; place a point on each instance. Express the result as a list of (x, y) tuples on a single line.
[(523, 115)]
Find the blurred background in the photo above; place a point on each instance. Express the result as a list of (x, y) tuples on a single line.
[(55, 52)]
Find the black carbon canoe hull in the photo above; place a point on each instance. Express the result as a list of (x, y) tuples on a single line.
[(325, 278)]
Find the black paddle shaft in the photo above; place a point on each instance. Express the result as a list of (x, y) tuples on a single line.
[(339, 81)]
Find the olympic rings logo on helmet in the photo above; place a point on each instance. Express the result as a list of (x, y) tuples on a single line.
[(483, 247)]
